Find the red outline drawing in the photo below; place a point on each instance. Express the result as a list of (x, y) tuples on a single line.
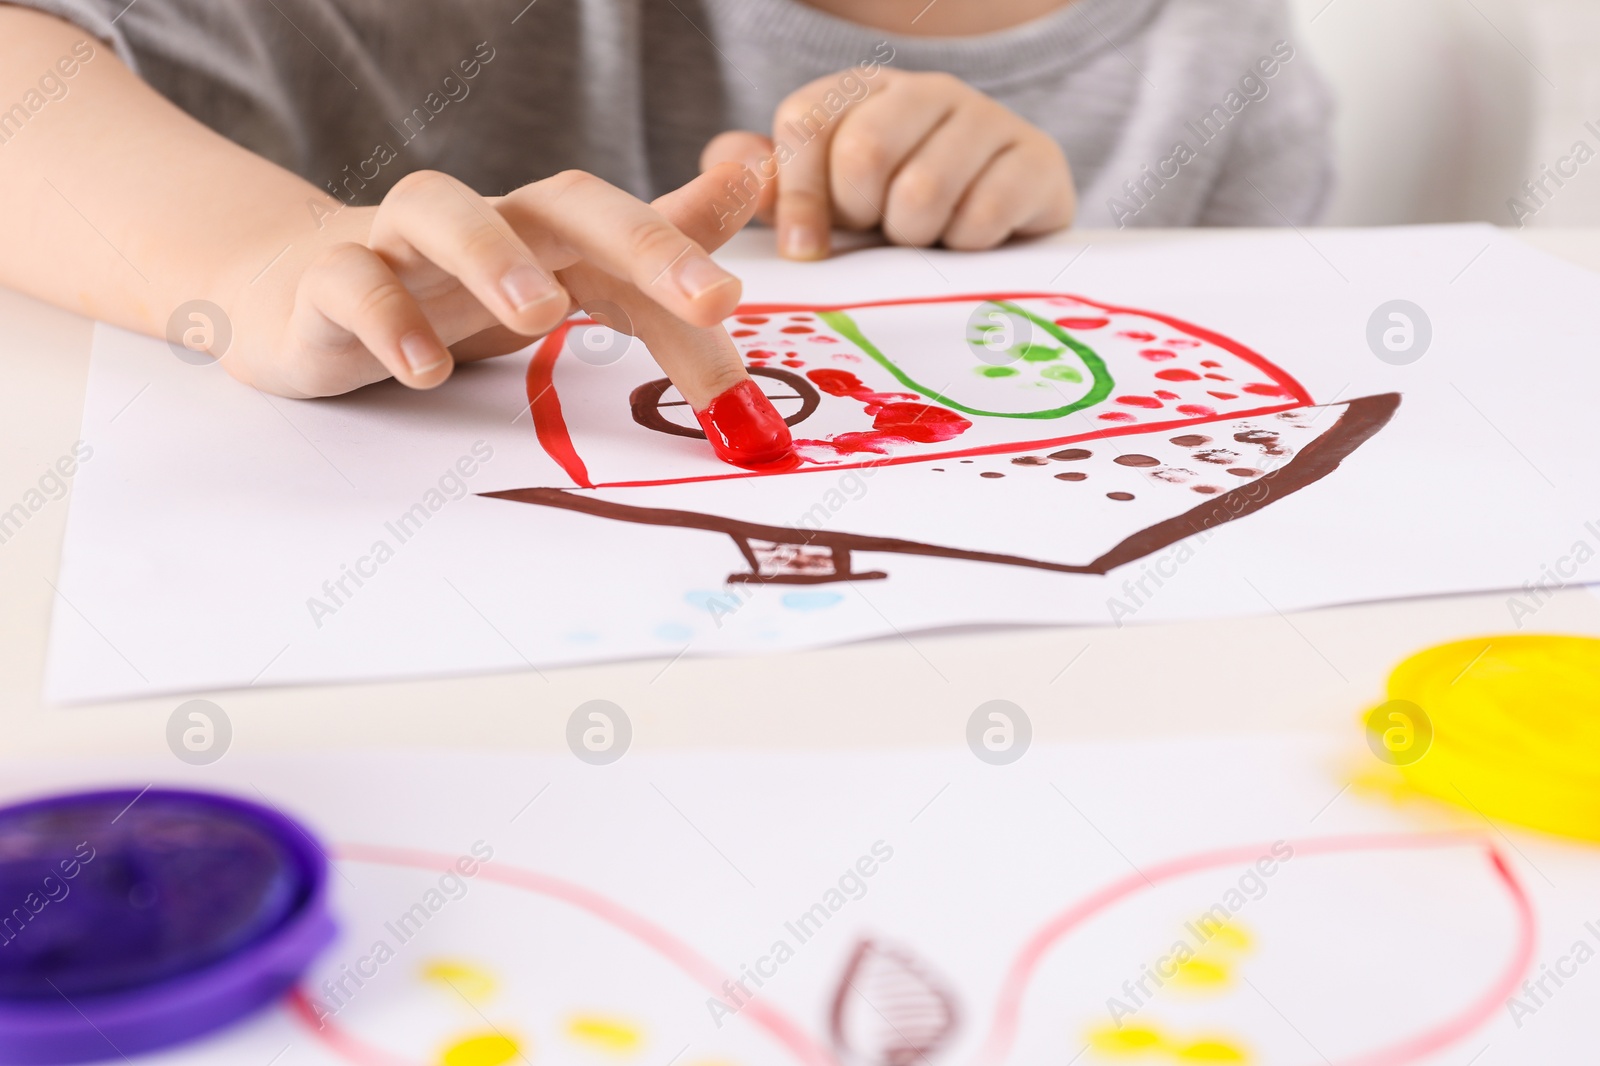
[(551, 424)]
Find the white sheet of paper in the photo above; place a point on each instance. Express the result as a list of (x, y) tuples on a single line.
[(1359, 929), (219, 537)]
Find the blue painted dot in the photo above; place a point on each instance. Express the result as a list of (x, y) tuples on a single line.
[(674, 631), (810, 601), (716, 604)]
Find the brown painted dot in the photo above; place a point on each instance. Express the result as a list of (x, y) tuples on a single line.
[(1119, 495), (1257, 436), (991, 473), (1191, 440), (1220, 456), (1030, 460), (966, 460), (1206, 490), (1243, 471), (1135, 459), (1068, 455), (938, 470), (1072, 475)]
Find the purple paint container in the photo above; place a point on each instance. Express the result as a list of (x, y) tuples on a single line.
[(132, 921)]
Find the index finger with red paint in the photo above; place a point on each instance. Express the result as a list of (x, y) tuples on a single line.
[(739, 421)]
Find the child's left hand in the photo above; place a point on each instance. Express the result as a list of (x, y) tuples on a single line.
[(924, 155)]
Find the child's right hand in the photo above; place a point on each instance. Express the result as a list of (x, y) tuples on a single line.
[(123, 208), (437, 274)]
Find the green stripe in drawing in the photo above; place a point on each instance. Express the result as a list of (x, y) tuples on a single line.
[(846, 326)]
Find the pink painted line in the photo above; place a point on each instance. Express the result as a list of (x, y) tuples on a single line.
[(700, 969), (1003, 1029)]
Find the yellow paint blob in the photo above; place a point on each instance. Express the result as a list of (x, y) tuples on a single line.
[(473, 982), (1145, 1041), (1210, 1051), (1127, 1040), (1228, 935), (483, 1049), (1201, 972), (607, 1034), (1515, 728), (1212, 965)]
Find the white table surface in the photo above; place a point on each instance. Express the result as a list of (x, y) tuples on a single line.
[(1313, 670)]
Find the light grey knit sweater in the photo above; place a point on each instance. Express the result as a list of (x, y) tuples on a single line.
[(1171, 112)]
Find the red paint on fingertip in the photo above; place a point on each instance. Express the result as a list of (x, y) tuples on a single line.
[(746, 430)]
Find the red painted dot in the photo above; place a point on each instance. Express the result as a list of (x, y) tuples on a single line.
[(1157, 355), (1166, 395), (753, 320), (799, 318), (1222, 395), (1139, 401), (1219, 377), (1196, 410), (1176, 374), (743, 333), (1266, 390), (1116, 416), (1137, 335), (793, 362), (1181, 342), (798, 329), (1083, 323), (1212, 363), (761, 353), (823, 338)]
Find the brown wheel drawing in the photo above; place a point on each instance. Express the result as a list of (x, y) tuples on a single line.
[(653, 411)]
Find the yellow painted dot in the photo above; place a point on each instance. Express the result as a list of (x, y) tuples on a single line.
[(1138, 1041), (484, 1049), (1211, 1051), (474, 982), (607, 1034), (1128, 1040), (1231, 936), (1202, 972), (1515, 728)]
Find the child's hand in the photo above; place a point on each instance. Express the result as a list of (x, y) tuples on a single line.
[(924, 155), (437, 274)]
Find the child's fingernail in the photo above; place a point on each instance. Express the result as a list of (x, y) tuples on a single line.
[(697, 275), (422, 353), (801, 242), (525, 286)]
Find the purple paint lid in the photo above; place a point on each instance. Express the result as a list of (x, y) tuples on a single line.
[(133, 920)]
